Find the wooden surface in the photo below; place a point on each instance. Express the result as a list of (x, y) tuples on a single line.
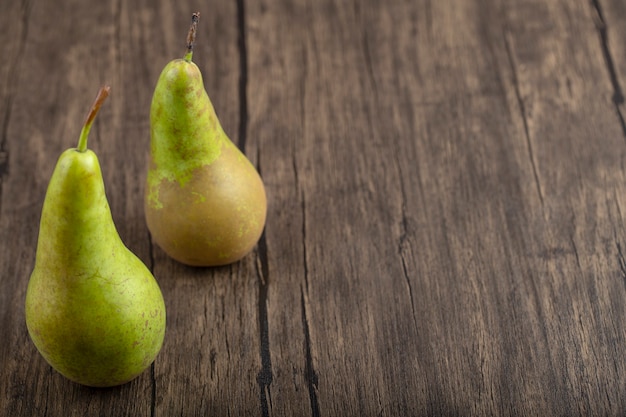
[(447, 203)]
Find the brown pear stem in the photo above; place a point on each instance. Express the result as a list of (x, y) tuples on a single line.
[(191, 35), (103, 93)]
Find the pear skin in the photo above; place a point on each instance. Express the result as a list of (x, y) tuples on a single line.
[(205, 203), (93, 309)]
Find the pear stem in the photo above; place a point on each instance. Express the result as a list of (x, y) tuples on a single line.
[(84, 133), (191, 36)]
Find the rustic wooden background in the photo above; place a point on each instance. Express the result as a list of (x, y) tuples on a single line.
[(447, 203)]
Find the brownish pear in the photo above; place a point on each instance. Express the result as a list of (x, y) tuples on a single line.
[(205, 202)]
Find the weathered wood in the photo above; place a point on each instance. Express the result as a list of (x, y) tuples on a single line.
[(445, 180)]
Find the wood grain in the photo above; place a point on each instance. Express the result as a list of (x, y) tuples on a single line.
[(445, 233)]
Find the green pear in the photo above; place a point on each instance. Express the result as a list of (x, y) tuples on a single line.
[(93, 309), (205, 203)]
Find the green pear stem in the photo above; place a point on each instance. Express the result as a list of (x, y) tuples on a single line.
[(191, 36), (84, 133)]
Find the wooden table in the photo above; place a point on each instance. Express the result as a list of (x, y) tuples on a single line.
[(447, 203)]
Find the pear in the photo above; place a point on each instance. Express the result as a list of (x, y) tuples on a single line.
[(205, 203), (93, 309)]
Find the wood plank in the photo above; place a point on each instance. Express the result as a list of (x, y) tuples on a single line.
[(566, 92), (16, 26), (210, 358), (46, 117), (276, 119)]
